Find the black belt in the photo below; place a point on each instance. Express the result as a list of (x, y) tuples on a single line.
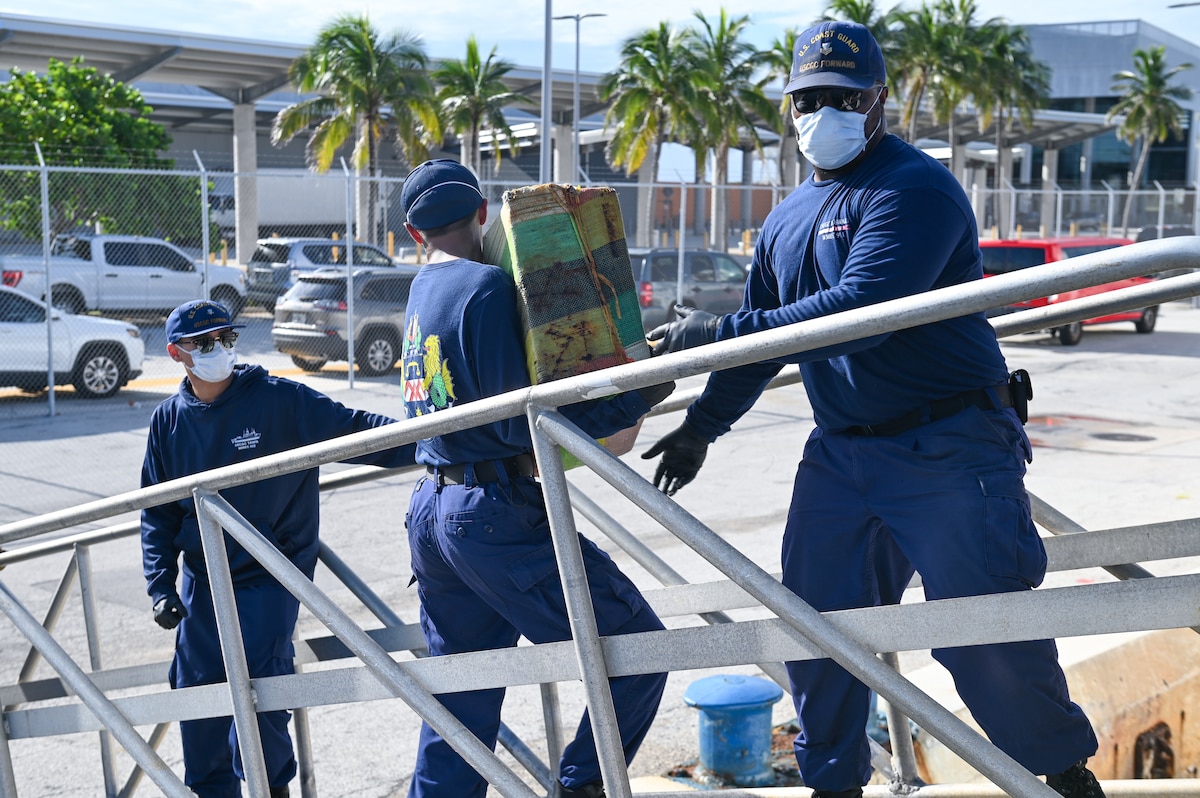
[(937, 410), (521, 465)]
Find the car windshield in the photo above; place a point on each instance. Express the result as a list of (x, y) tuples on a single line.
[(1002, 260), (313, 290), (270, 253), (1088, 249)]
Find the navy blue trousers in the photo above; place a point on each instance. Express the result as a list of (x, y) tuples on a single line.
[(267, 613), (487, 575), (948, 500)]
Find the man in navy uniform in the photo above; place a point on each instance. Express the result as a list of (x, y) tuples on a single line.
[(477, 526), (225, 413), (919, 453)]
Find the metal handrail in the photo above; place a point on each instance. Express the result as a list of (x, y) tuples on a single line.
[(536, 401), (1084, 271)]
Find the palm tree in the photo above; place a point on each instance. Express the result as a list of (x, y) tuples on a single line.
[(960, 75), (730, 102), (472, 93), (651, 97), (1148, 103), (1011, 83), (924, 54), (867, 14), (366, 84), (778, 61)]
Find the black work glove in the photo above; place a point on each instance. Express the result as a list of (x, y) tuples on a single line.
[(169, 611), (683, 453), (694, 328), (653, 394)]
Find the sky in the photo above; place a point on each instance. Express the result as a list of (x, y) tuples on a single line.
[(516, 27)]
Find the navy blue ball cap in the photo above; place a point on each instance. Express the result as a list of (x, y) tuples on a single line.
[(439, 192), (196, 318), (836, 54)]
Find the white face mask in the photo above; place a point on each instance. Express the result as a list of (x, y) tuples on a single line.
[(830, 138), (215, 366)]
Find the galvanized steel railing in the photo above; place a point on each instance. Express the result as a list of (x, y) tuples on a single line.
[(798, 631)]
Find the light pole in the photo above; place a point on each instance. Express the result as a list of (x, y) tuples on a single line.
[(575, 120)]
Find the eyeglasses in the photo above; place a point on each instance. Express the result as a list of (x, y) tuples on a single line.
[(206, 345), (808, 102)]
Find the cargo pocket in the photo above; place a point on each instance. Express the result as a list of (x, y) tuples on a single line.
[(534, 567), (1012, 545)]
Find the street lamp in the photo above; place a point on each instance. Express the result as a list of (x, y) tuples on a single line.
[(575, 121)]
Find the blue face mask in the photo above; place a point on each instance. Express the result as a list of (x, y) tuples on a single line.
[(830, 138)]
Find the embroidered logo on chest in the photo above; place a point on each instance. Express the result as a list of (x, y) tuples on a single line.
[(834, 228), (247, 440)]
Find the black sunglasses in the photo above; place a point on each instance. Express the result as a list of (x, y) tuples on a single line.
[(206, 345), (808, 102)]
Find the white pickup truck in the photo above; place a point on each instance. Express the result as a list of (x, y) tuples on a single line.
[(116, 273)]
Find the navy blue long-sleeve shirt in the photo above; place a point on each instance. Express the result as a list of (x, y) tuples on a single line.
[(898, 224), (257, 415), (464, 342)]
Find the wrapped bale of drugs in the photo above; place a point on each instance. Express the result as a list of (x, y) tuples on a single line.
[(565, 248)]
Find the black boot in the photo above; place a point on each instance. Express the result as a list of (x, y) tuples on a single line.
[(854, 793), (280, 792), (1076, 782)]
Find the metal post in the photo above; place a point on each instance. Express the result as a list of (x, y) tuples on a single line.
[(682, 244), (205, 213), (1112, 201), (544, 175), (233, 649), (1162, 209), (44, 182), (87, 597), (575, 166), (904, 758), (351, 189), (305, 772), (552, 717), (580, 612), (8, 779)]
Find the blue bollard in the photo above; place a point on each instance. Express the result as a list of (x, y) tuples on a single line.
[(735, 727)]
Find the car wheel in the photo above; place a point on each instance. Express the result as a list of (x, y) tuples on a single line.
[(98, 374), (68, 299), (376, 353), (1146, 323), (306, 364), (1070, 334)]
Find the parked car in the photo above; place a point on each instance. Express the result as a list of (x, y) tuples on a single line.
[(121, 274), (1003, 256), (277, 262), (97, 356), (712, 281), (311, 318)]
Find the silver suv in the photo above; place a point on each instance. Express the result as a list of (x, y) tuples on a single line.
[(311, 318), (277, 262), (712, 281)]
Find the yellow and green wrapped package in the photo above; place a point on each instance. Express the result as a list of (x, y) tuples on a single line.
[(564, 246)]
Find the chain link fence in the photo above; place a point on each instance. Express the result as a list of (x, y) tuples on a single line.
[(115, 250)]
